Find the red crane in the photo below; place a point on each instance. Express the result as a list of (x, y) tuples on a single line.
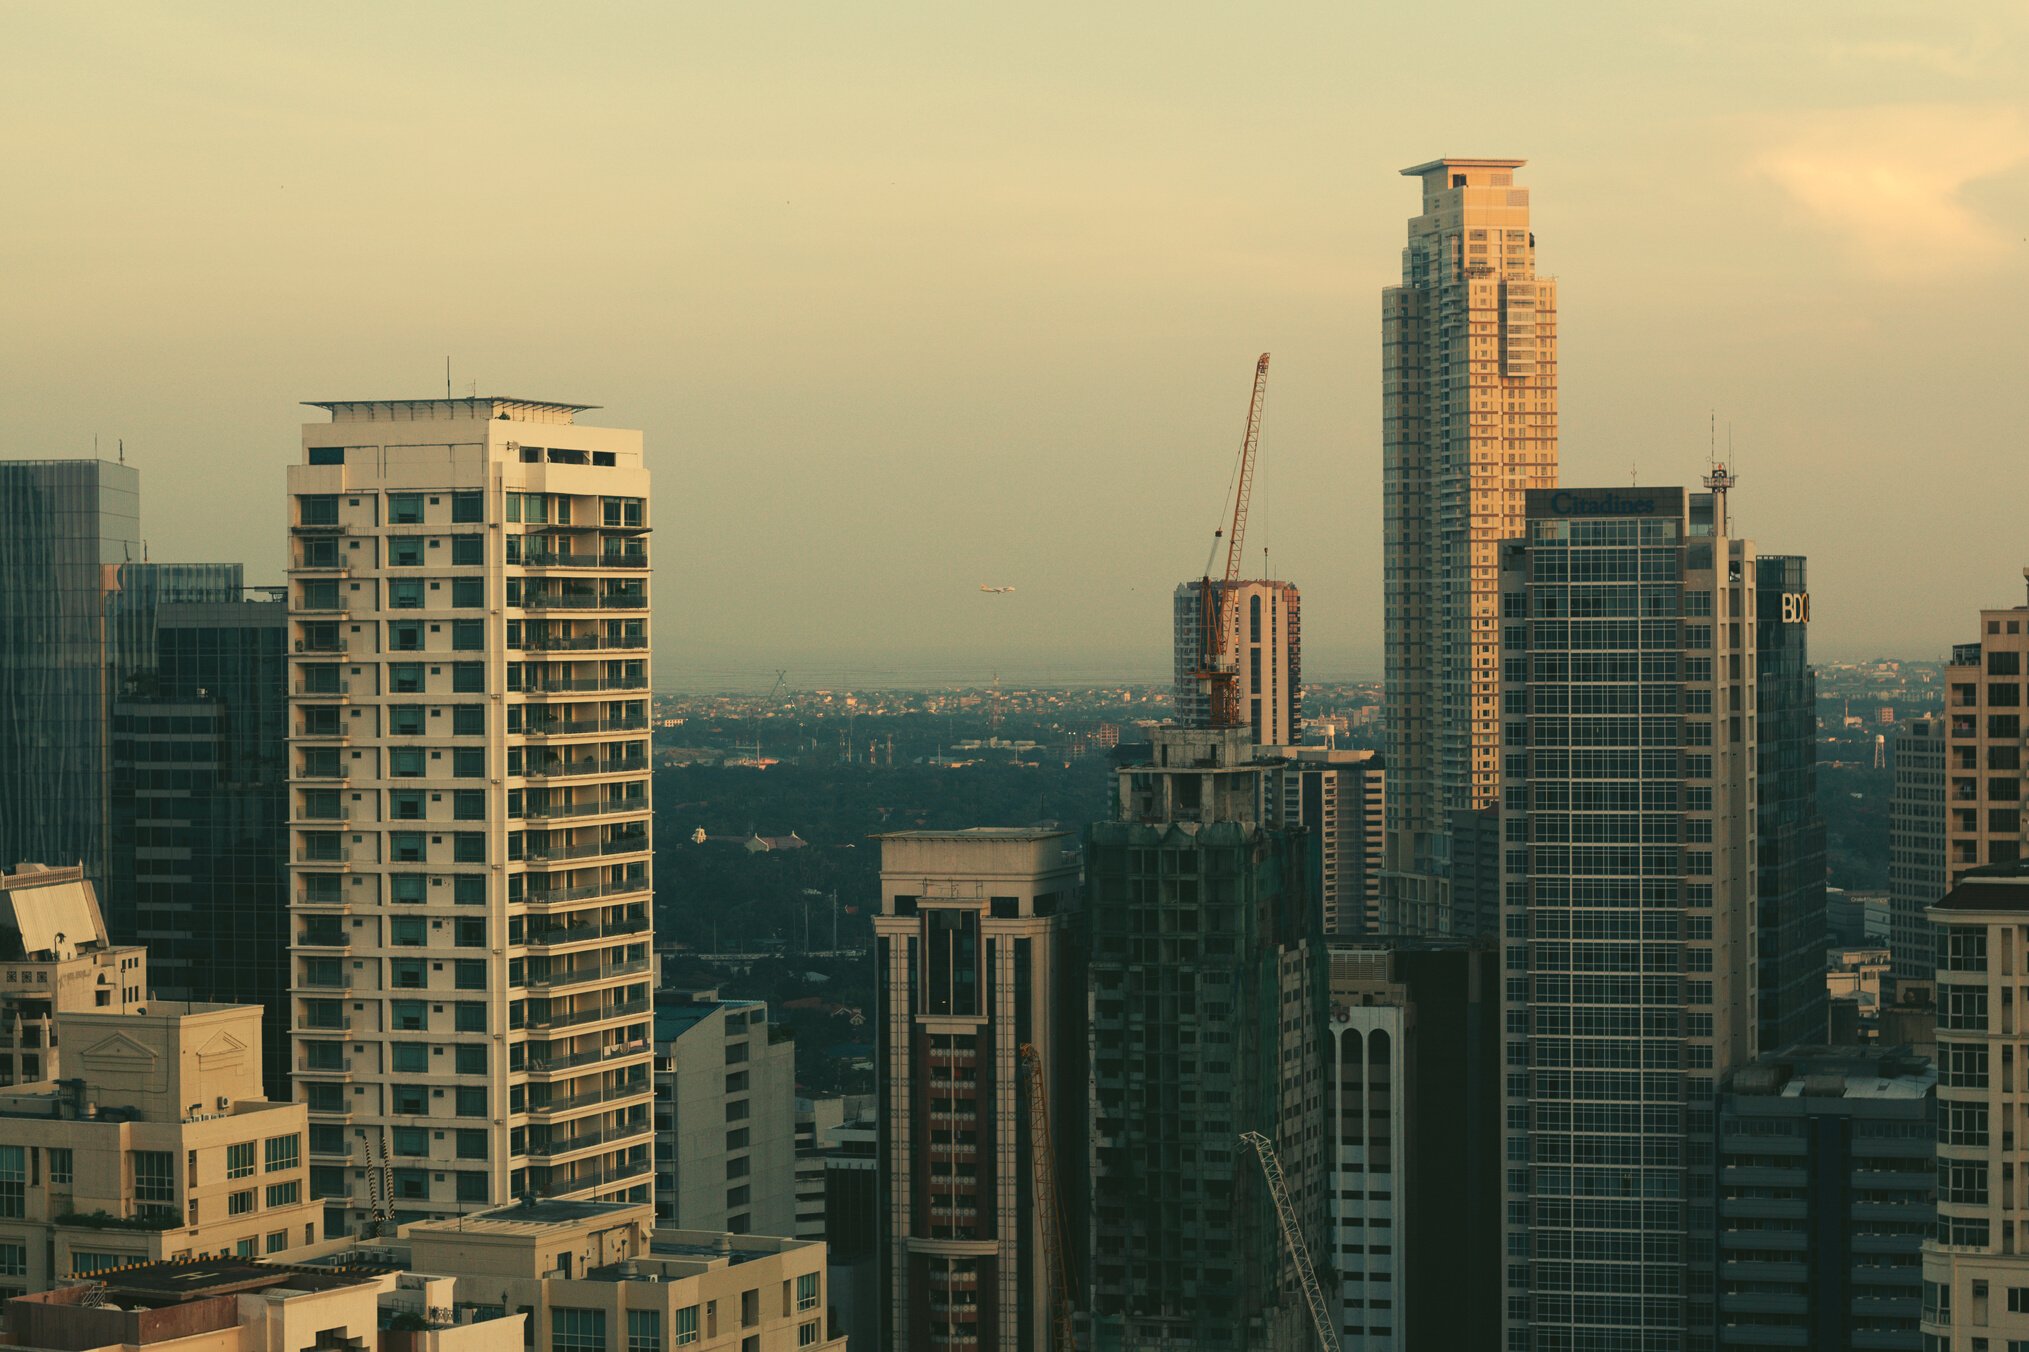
[(1215, 673)]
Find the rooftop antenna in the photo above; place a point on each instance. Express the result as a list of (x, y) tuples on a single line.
[(447, 375), (1718, 478), (123, 450)]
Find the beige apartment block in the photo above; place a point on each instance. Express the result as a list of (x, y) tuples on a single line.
[(55, 958), (598, 1277), (1469, 425), (469, 610), (1984, 736), (160, 1145), (1976, 1265), (1263, 648)]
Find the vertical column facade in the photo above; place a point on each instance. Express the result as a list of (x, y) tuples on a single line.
[(1628, 825), (975, 963), (470, 808), (1917, 845), (1469, 424), (1263, 641)]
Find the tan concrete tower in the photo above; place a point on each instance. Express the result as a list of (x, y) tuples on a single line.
[(1469, 424), (469, 786)]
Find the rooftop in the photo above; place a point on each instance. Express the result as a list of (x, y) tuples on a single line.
[(979, 833), (1838, 1072), (477, 406), (178, 1280), (1991, 887), (1460, 162), (527, 1218)]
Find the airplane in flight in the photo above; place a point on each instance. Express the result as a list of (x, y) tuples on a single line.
[(999, 591)]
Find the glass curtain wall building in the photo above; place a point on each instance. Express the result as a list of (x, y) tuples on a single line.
[(1628, 824), (1790, 929)]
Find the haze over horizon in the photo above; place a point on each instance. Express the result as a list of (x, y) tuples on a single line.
[(915, 299)]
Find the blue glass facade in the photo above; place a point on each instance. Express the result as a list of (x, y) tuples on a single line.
[(1790, 930)]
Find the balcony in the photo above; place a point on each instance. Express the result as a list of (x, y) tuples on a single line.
[(328, 690), (579, 643), (585, 1177), (559, 896), (320, 645), (587, 975), (562, 558), (543, 1063), (546, 812), (579, 1017), (556, 936), (557, 767), (322, 939), (568, 686), (585, 727), (589, 1140), (306, 854), (614, 1094)]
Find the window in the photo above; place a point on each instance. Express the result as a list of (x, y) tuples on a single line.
[(644, 1331), (468, 550), (806, 1334), (317, 510), (469, 890), (402, 594), (411, 1141), (471, 1059), (469, 762), (469, 805), (13, 1260), (468, 635), (806, 1291), (405, 720), (412, 1057), (472, 1188), (469, 1017), (154, 1175), (468, 678), (471, 1144), (277, 1241), (60, 1167), (468, 507), (468, 592), (239, 1160), (240, 1203), (468, 720), (470, 974), (684, 1328), (468, 847), (285, 1194), (405, 509), (471, 1101), (574, 1330), (410, 1100)]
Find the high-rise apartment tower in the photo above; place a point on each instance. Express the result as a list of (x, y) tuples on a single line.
[(1263, 647), (469, 777), (1469, 425), (1628, 841), (976, 962)]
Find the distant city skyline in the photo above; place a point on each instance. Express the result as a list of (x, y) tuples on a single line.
[(893, 356)]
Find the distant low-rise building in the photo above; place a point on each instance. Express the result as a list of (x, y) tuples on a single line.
[(226, 1305)]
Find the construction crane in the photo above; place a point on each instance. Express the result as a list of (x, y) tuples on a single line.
[(1292, 1239), (1048, 1213), (1219, 679)]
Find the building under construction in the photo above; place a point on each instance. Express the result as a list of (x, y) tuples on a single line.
[(1262, 644), (1205, 977)]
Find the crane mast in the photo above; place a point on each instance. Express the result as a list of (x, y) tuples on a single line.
[(1048, 1211), (1292, 1239), (1220, 680)]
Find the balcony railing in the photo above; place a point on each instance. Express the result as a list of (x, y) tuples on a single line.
[(543, 812), (587, 1140), (559, 768), (544, 558), (541, 1063), (587, 726), (558, 935), (566, 686), (575, 1018), (587, 975), (615, 1094), (558, 896), (577, 643)]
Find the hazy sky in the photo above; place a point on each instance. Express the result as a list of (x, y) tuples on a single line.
[(914, 297)]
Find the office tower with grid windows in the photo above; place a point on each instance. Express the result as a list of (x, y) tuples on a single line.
[(1629, 868), (976, 962), (1976, 1262), (1206, 986), (1917, 846), (1263, 645), (469, 814), (1790, 928), (1469, 424)]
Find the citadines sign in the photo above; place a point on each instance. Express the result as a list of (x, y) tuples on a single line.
[(1554, 502)]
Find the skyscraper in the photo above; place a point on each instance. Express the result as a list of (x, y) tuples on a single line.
[(1629, 817), (1469, 424), (200, 813), (1916, 845), (1263, 646), (1207, 996), (725, 1116), (1983, 743), (976, 961), (77, 628), (1790, 928), (470, 806)]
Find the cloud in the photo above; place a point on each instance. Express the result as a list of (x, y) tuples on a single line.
[(1890, 182)]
